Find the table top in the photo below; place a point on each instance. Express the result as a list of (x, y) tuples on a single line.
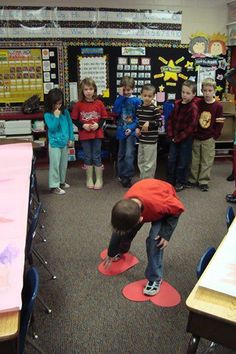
[(16, 164), (210, 302), (5, 141), (9, 325)]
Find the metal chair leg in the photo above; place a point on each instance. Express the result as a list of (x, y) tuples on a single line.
[(35, 346), (44, 263), (48, 310), (41, 234)]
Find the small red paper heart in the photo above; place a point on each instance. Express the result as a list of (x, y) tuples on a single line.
[(126, 262), (167, 297)]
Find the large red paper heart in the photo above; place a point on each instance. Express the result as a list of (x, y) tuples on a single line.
[(167, 297), (126, 262)]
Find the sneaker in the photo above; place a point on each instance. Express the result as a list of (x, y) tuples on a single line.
[(204, 187), (116, 258), (152, 288), (231, 198), (190, 185), (65, 185), (179, 187), (57, 190), (126, 182), (230, 177)]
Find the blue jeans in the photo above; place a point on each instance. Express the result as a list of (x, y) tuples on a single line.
[(92, 152), (126, 155), (154, 270), (179, 159)]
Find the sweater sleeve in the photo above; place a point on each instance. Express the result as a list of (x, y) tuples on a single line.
[(154, 125), (51, 121), (71, 132), (170, 125), (218, 126), (117, 108), (113, 248), (168, 226)]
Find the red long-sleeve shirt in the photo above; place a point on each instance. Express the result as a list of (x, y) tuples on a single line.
[(183, 121)]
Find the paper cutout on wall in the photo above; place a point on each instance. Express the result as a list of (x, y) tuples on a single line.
[(202, 44), (170, 71)]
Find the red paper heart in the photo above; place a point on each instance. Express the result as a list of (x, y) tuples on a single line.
[(167, 297), (126, 262)]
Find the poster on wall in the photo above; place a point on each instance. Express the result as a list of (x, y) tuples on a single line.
[(94, 67), (21, 74)]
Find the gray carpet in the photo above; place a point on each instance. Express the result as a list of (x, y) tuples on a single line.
[(90, 315)]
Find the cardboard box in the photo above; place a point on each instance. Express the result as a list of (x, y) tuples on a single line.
[(228, 107)]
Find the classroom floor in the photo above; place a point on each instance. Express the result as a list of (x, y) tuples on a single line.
[(89, 312)]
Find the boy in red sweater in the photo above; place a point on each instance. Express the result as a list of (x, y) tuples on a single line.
[(149, 200), (209, 128), (182, 124)]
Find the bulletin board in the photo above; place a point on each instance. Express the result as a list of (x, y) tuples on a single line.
[(166, 67), (26, 70)]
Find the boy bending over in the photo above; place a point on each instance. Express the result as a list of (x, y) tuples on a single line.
[(149, 200)]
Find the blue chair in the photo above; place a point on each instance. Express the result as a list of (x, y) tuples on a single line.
[(229, 216), (29, 294), (204, 260)]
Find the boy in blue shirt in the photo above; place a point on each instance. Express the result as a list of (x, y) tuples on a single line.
[(125, 107)]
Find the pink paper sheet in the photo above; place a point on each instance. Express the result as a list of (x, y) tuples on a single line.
[(15, 168)]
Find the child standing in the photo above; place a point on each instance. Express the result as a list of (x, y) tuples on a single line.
[(209, 128), (149, 200), (60, 136), (182, 124), (88, 115), (125, 107), (147, 131)]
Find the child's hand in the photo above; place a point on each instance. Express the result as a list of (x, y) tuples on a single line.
[(145, 127), (162, 243), (87, 127), (137, 131), (70, 143), (57, 113), (94, 126), (127, 132)]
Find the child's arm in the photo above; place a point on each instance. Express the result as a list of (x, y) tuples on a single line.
[(190, 125), (117, 108), (168, 226), (154, 123), (113, 249), (219, 121), (52, 121), (71, 132)]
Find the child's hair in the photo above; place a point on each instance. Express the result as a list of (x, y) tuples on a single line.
[(148, 87), (125, 215), (209, 82), (127, 81), (191, 84), (87, 82), (54, 95)]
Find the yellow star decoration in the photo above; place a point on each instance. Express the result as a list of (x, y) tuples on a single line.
[(219, 88), (171, 74), (161, 88), (189, 64)]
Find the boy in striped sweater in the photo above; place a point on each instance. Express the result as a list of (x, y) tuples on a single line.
[(147, 132)]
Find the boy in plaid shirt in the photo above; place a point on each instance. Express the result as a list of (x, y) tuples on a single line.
[(182, 124)]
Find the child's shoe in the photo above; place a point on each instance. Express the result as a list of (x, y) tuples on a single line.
[(126, 182), (204, 187), (57, 191), (152, 288), (190, 185), (89, 177), (99, 177), (65, 185), (179, 187)]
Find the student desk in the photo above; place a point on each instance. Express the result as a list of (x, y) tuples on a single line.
[(212, 315), (15, 169)]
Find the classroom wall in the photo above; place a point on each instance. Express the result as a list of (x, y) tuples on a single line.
[(198, 15)]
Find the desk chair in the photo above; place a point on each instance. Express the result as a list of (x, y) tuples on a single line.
[(201, 266), (229, 216), (204, 260), (29, 293), (30, 250)]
